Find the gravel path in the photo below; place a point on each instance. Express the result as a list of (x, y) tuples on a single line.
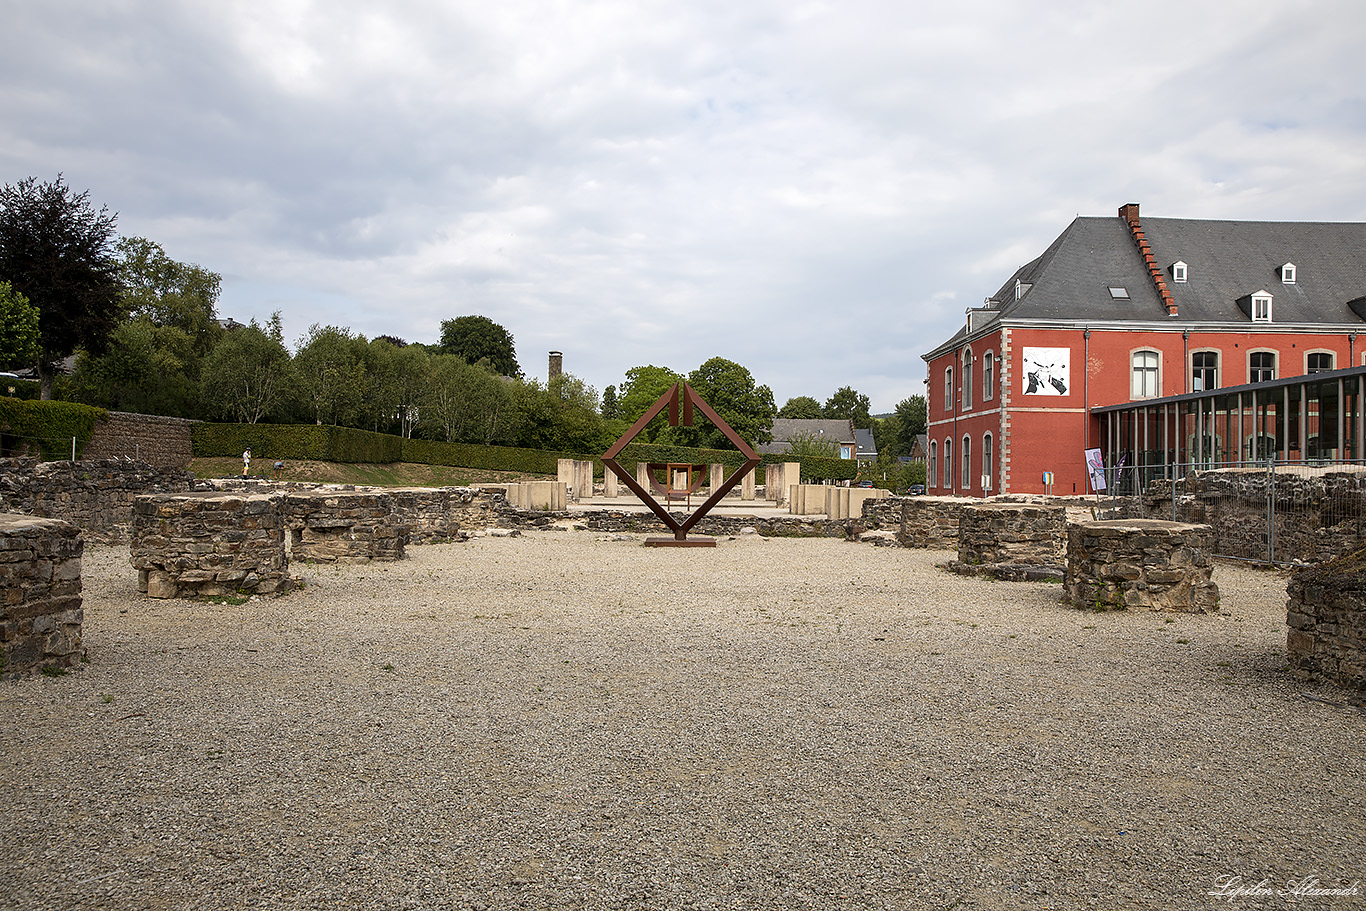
[(564, 720)]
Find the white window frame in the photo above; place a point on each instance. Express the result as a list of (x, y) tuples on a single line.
[(1261, 307), (1180, 272), (1316, 352), (987, 455), (1190, 368), (1288, 274), (948, 463), (948, 389), (1275, 363), (966, 477), (967, 380), (988, 376), (933, 473), (1156, 373)]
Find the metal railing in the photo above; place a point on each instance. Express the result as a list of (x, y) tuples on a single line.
[(1268, 512)]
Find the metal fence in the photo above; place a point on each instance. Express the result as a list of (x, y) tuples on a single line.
[(1289, 512)]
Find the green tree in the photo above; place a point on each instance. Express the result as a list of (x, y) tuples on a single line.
[(465, 403), (911, 414), (330, 371), (803, 407), (414, 369), (168, 293), (729, 388), (19, 345), (57, 251), (848, 404), (609, 403), (473, 338), (643, 387), (245, 376)]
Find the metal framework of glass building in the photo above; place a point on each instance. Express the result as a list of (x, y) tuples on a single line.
[(1311, 419)]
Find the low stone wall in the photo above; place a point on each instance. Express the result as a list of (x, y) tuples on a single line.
[(622, 521), (156, 440), (40, 594), (354, 526), (932, 522), (1021, 534), (95, 495), (209, 544), (1326, 615), (1139, 564)]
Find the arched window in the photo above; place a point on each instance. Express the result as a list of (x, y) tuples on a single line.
[(932, 476), (988, 376), (948, 389), (948, 464), (986, 462), (1261, 366), (1145, 367), (967, 379), (1204, 370), (965, 478)]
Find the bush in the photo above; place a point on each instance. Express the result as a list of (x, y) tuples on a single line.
[(47, 425), (296, 441)]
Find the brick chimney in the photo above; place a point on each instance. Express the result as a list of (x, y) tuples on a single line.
[(1129, 212), (556, 365)]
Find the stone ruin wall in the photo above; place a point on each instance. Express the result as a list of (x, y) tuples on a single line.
[(1010, 533), (96, 495), (342, 526), (160, 441), (1326, 614), (1318, 513), (209, 544), (40, 574), (1140, 564)]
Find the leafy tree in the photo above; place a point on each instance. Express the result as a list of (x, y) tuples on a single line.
[(245, 376), (18, 328), (911, 414), (729, 389), (643, 387), (330, 370), (887, 438), (413, 367), (164, 292), (56, 250), (802, 407), (609, 403), (465, 403), (152, 361), (473, 338), (848, 404)]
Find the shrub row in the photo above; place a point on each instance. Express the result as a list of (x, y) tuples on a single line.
[(343, 444), (296, 441), (48, 425)]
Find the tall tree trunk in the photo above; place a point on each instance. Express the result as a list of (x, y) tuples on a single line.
[(44, 380)]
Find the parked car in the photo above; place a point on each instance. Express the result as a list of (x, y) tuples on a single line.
[(916, 490), (864, 484)]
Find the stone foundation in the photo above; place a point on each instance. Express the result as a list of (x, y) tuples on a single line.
[(932, 522), (1326, 615), (209, 544), (354, 526), (95, 495), (40, 594), (1140, 564), (1005, 540)]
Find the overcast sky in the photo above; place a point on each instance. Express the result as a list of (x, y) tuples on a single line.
[(815, 190)]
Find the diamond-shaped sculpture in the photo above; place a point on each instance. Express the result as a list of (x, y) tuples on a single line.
[(680, 394)]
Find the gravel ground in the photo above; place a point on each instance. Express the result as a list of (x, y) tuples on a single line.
[(565, 720)]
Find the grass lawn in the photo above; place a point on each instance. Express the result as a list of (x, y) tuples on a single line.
[(395, 474)]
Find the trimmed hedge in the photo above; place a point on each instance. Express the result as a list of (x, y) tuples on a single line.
[(343, 444), (49, 425), (296, 441)]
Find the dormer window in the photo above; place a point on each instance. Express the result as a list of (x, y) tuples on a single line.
[(1179, 272), (1261, 307), (1288, 274), (1021, 288)]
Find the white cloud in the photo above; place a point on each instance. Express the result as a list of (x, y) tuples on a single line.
[(811, 189)]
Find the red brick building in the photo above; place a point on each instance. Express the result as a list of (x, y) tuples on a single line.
[(1121, 310)]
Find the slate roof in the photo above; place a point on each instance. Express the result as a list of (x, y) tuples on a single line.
[(867, 446), (784, 429), (1227, 260)]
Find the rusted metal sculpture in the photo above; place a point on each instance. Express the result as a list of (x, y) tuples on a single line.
[(680, 399)]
